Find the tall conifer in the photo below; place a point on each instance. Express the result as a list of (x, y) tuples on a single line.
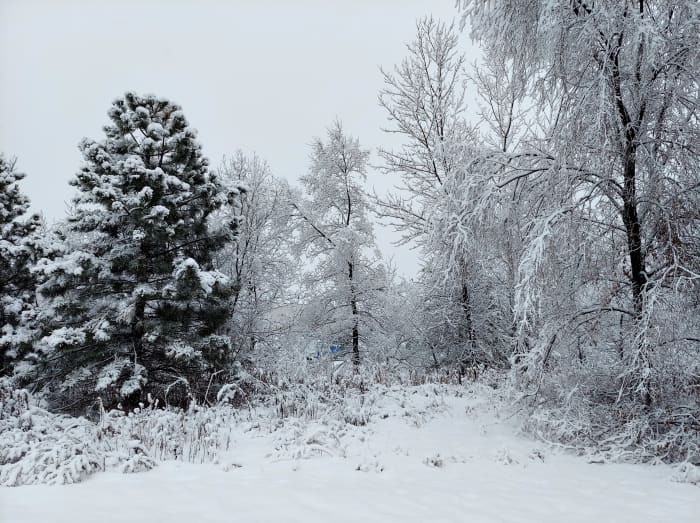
[(135, 304)]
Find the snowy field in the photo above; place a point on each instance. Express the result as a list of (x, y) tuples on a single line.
[(438, 454)]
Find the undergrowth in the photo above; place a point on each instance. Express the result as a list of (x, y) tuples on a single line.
[(313, 417)]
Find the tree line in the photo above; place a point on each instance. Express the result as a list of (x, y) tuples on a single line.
[(559, 231)]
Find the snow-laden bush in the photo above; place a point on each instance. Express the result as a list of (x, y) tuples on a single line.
[(196, 435), (40, 447), (614, 433), (687, 473), (308, 418), (323, 416)]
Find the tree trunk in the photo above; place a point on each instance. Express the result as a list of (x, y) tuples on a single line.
[(355, 318), (465, 333), (630, 219)]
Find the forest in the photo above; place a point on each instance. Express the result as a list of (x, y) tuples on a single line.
[(558, 236)]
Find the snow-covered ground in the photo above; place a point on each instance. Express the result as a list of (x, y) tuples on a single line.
[(426, 454)]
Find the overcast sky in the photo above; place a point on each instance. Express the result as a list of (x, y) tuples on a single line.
[(263, 76)]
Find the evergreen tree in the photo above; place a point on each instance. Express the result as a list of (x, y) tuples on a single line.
[(17, 254), (135, 306)]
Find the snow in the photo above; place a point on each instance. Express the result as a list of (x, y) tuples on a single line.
[(65, 335), (134, 382), (207, 279), (158, 211), (155, 129), (110, 373), (397, 454), (180, 350)]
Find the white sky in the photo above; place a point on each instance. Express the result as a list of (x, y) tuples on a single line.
[(264, 76)]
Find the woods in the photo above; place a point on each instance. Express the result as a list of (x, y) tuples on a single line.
[(558, 234)]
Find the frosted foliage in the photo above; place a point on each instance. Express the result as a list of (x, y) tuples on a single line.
[(260, 265), (424, 99), (345, 276), (65, 336), (39, 447), (19, 238), (550, 192), (207, 279), (351, 424), (136, 380), (592, 201), (110, 373), (135, 272)]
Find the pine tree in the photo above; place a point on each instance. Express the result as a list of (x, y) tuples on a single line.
[(17, 254), (135, 306)]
